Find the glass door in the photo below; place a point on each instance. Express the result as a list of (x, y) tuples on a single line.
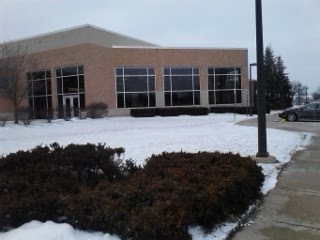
[(71, 106)]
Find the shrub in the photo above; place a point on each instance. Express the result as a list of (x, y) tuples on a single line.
[(97, 110), (3, 121), (143, 112), (33, 182), (176, 111), (92, 191), (24, 114), (171, 111), (172, 192)]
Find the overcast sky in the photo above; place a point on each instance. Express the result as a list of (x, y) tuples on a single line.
[(291, 27)]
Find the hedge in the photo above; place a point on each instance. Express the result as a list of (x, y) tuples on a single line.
[(170, 111), (90, 188)]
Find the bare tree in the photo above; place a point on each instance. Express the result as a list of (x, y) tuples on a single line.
[(316, 94), (14, 61), (299, 92)]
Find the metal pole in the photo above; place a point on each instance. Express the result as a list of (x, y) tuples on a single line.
[(307, 100), (250, 88), (250, 92), (234, 103), (261, 103)]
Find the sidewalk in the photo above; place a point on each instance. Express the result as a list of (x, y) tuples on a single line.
[(291, 211)]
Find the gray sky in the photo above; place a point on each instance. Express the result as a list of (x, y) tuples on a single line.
[(291, 27)]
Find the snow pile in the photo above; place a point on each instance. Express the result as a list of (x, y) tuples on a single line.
[(142, 137), (49, 230)]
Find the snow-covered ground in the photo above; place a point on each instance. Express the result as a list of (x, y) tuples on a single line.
[(142, 137)]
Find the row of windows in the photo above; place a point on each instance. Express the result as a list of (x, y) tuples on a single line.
[(70, 81), (39, 92), (135, 87)]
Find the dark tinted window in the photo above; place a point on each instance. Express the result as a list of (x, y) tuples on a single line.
[(120, 100), (70, 84), (135, 71), (119, 84), (225, 71), (151, 83), (69, 71), (39, 75), (182, 98), (181, 83), (152, 99), (137, 86), (136, 100), (181, 71)]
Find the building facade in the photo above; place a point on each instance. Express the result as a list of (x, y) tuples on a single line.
[(86, 65)]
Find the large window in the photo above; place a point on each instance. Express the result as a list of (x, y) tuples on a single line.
[(135, 87), (71, 92), (224, 85), (181, 86), (39, 93)]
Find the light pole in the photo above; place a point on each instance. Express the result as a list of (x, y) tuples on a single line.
[(250, 88), (307, 100), (261, 103)]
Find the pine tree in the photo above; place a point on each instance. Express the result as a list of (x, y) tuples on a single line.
[(285, 88), (277, 84)]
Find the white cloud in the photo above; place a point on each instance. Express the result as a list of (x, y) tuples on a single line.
[(291, 26)]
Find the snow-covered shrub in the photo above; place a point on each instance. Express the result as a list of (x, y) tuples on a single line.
[(97, 110), (171, 193), (24, 115), (3, 121), (34, 183), (84, 185)]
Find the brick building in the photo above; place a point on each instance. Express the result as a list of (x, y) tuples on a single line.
[(86, 64)]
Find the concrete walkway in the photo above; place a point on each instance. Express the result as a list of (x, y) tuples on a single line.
[(291, 210)]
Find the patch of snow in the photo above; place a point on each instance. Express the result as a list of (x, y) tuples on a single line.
[(142, 137), (49, 230)]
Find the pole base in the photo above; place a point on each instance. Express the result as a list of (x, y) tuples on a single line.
[(268, 159), (262, 154)]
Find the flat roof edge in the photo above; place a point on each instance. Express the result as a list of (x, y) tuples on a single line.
[(191, 48)]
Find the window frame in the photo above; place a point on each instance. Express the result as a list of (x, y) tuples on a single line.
[(60, 84), (181, 71), (121, 74), (32, 79), (235, 75)]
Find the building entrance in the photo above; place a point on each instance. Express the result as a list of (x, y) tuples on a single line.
[(71, 105)]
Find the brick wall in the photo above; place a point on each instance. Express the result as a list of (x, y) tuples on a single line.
[(99, 63)]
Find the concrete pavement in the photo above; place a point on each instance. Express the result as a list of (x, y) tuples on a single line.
[(291, 211)]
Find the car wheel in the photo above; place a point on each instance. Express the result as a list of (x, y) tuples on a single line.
[(292, 117)]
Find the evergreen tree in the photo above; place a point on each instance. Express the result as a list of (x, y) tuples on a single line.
[(277, 84), (285, 93)]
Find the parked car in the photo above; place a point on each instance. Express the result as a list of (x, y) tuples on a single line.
[(308, 112)]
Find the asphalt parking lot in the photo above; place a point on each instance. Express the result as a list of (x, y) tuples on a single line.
[(291, 210), (273, 121)]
